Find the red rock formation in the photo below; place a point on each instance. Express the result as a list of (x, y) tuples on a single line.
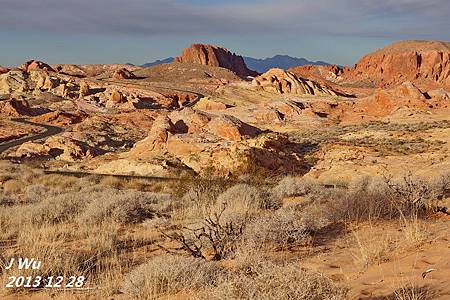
[(33, 65), (215, 56), (123, 74), (4, 70), (425, 62)]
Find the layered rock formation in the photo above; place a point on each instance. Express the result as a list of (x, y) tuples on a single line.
[(215, 56), (283, 82), (417, 61)]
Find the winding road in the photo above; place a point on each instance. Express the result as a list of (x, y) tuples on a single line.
[(49, 131)]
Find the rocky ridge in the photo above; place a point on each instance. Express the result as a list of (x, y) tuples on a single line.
[(215, 56)]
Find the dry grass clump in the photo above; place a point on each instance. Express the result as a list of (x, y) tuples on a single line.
[(164, 276), (372, 248), (125, 207), (13, 186), (412, 291), (270, 281)]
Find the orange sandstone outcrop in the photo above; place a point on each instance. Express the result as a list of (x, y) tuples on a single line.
[(34, 65), (416, 61), (215, 56)]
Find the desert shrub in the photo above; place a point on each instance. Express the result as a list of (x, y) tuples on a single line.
[(214, 237), (110, 181), (38, 192), (294, 186), (127, 206), (381, 198), (13, 186), (414, 193), (57, 209), (56, 181), (197, 201), (246, 199), (168, 275), (270, 281), (283, 229), (6, 200)]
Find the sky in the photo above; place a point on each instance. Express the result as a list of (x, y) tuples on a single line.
[(140, 31)]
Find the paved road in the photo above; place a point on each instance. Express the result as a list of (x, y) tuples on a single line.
[(49, 131)]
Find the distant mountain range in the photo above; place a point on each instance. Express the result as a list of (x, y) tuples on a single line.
[(278, 61), (261, 65), (158, 62)]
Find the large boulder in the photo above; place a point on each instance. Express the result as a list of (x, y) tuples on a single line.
[(231, 128), (215, 56)]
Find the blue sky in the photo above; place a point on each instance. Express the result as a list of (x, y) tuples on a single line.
[(138, 31)]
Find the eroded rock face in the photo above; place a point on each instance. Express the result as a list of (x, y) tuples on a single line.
[(15, 108), (215, 56), (415, 61), (123, 74), (34, 65), (283, 82)]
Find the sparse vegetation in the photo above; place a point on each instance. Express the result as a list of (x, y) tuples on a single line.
[(212, 241)]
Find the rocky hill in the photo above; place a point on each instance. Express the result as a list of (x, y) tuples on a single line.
[(215, 56), (424, 61)]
